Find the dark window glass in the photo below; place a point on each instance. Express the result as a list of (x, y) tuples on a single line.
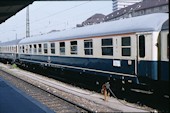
[(74, 50), (126, 41), (88, 44), (62, 51), (88, 47), (45, 48), (62, 44), (106, 42), (22, 49), (45, 45), (35, 48), (62, 48), (73, 47), (39, 48), (126, 52), (52, 48), (52, 51), (126, 46), (142, 46), (52, 45), (45, 51), (107, 50), (30, 50), (88, 51), (39, 45), (107, 47), (73, 42)]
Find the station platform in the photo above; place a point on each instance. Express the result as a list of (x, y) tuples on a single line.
[(97, 98), (13, 100)]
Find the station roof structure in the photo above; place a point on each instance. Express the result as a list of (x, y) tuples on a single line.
[(10, 8)]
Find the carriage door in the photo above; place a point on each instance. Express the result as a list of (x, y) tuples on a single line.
[(144, 55)]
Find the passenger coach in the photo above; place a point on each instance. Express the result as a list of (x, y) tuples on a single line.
[(9, 51), (126, 49)]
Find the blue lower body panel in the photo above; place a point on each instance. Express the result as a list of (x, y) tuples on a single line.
[(155, 70), (148, 69), (14, 101), (91, 63), (164, 70), (97, 66)]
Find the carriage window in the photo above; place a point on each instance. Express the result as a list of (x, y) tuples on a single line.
[(52, 48), (62, 48), (107, 47), (20, 49), (35, 48), (45, 48), (39, 48), (26, 49), (142, 46), (73, 47), (30, 49), (16, 49), (88, 47), (10, 49), (23, 49), (126, 46)]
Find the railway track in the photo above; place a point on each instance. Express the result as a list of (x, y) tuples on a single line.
[(137, 95), (51, 100), (134, 95), (44, 86)]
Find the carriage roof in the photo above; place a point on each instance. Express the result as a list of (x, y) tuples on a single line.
[(151, 22), (10, 43), (165, 26)]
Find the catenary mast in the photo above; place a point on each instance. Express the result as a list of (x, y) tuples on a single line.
[(27, 23)]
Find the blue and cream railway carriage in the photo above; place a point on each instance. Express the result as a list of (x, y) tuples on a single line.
[(9, 51), (124, 49)]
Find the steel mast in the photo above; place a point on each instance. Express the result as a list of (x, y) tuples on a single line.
[(27, 23)]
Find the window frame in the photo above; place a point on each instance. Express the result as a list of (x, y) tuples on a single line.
[(35, 48), (52, 48), (45, 49), (23, 49), (126, 47), (62, 47), (30, 48), (89, 48), (40, 48), (106, 46), (142, 51), (73, 45)]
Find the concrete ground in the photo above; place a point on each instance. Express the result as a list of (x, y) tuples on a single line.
[(13, 100)]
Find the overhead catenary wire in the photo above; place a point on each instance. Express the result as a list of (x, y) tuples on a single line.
[(63, 23), (38, 20), (60, 24)]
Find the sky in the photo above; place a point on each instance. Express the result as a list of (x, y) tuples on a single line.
[(45, 16)]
